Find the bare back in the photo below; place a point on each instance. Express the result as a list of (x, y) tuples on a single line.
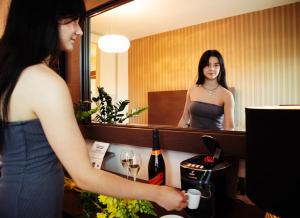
[(25, 93)]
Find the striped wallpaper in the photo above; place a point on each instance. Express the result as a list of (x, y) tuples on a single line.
[(261, 52)]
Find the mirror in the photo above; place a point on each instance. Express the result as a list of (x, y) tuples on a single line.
[(258, 42)]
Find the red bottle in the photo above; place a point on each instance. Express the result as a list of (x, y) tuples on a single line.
[(156, 165)]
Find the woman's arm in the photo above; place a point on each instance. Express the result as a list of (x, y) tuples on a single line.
[(51, 102), (185, 118), (228, 111)]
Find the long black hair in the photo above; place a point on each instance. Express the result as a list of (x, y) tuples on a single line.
[(30, 36), (204, 61)]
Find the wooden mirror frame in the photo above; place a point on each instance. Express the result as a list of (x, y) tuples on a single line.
[(177, 139)]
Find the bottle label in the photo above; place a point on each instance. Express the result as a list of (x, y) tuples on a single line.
[(156, 152), (158, 179)]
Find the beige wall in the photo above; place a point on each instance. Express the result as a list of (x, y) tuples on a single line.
[(4, 4), (261, 52)]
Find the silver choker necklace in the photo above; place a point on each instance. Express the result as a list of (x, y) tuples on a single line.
[(211, 91)]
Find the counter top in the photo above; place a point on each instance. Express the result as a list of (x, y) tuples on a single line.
[(237, 209), (72, 209)]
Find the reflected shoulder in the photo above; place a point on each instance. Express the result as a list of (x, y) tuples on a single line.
[(227, 96), (193, 87), (226, 92)]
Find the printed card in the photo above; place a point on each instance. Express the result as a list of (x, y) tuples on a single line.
[(97, 153)]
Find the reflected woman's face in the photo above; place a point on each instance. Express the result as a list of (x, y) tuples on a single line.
[(212, 70)]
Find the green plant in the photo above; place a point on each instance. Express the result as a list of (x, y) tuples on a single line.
[(106, 111), (90, 204), (83, 111)]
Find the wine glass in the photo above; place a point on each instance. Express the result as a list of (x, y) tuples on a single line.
[(135, 165), (126, 158)]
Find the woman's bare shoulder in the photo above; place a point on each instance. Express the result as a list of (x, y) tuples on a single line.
[(226, 94), (193, 88), (40, 82), (40, 77), (225, 91), (40, 72), (37, 85)]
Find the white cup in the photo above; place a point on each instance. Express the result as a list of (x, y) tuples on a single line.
[(194, 196)]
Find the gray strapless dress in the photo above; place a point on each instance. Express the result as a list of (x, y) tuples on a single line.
[(32, 178), (206, 115)]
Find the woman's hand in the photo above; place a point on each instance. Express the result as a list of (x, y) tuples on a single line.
[(171, 198)]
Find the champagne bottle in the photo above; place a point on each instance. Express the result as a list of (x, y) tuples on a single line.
[(156, 165)]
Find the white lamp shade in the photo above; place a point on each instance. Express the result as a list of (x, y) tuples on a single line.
[(113, 43)]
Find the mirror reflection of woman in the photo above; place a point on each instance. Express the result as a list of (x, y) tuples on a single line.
[(209, 104)]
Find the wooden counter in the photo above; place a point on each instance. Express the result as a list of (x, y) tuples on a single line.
[(72, 209), (177, 139)]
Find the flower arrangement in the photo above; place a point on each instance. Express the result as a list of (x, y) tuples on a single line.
[(102, 206)]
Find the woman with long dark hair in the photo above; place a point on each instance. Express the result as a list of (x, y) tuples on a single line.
[(38, 129), (209, 104)]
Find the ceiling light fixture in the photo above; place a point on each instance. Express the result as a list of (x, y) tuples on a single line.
[(113, 43)]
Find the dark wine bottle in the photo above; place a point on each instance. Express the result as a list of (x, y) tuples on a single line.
[(156, 165)]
